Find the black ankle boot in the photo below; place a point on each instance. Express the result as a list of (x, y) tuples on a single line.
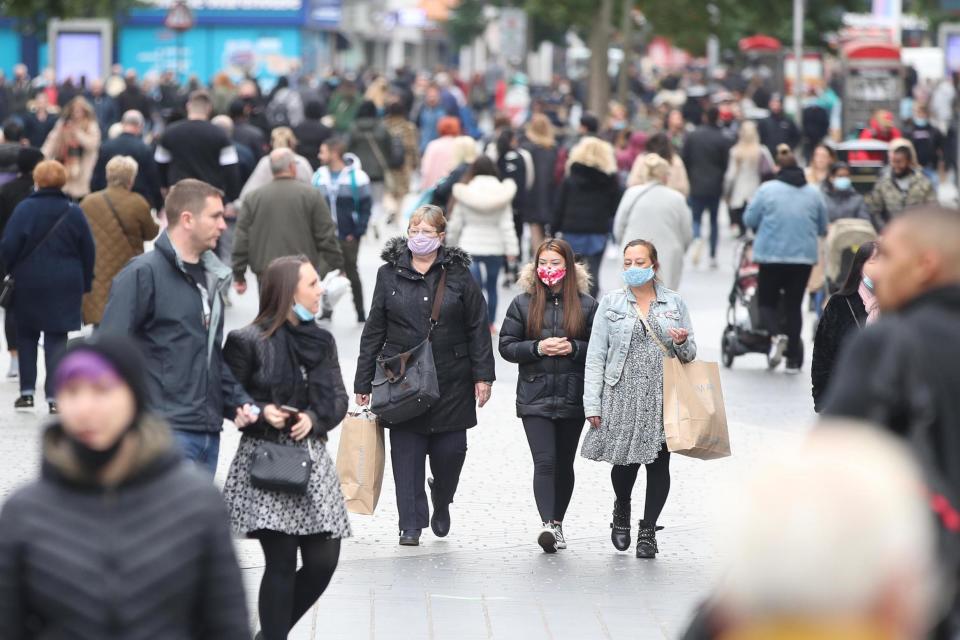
[(647, 540), (440, 521), (620, 527)]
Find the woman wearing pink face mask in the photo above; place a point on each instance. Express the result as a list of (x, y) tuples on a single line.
[(545, 332)]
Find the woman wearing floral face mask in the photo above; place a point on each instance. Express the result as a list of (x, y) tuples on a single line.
[(635, 329), (545, 332), (462, 351)]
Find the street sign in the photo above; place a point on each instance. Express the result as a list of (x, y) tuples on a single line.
[(179, 17)]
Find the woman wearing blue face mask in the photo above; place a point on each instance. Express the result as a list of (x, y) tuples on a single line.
[(853, 307), (841, 198), (634, 329), (286, 362)]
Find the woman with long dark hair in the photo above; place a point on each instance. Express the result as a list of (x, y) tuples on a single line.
[(289, 365), (636, 327), (545, 332), (853, 307)]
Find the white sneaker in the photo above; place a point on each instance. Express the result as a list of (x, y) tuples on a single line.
[(14, 371), (778, 345), (558, 533), (696, 252), (548, 539), (793, 370)]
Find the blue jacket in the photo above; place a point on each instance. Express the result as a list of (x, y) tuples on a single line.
[(427, 120), (349, 198), (610, 338), (50, 282), (787, 220), (155, 302)]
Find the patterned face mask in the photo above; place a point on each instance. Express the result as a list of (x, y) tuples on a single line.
[(551, 275)]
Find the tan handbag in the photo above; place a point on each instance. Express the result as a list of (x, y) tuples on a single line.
[(694, 417), (360, 461)]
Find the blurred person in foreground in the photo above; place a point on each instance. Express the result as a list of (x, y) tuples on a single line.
[(833, 542), (913, 355), (121, 222), (83, 551), (49, 250), (169, 301)]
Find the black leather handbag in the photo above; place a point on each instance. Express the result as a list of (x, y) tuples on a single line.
[(405, 385), (280, 467)]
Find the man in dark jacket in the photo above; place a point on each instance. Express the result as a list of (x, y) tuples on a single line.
[(170, 301), (10, 149), (245, 133), (284, 218), (130, 143), (706, 152), (778, 128), (104, 106), (904, 371), (114, 500), (195, 148), (311, 133)]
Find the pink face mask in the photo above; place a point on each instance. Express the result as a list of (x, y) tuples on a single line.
[(551, 275), (421, 245)]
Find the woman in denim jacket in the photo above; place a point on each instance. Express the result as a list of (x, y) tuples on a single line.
[(623, 388)]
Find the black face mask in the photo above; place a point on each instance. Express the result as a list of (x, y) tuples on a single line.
[(94, 460)]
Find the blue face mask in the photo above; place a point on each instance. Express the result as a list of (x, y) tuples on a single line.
[(637, 277), (920, 122), (303, 313), (868, 281), (842, 183)]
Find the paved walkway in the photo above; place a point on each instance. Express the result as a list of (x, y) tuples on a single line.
[(489, 579)]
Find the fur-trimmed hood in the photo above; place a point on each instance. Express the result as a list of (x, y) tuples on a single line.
[(395, 252), (151, 450), (527, 279), (485, 193)]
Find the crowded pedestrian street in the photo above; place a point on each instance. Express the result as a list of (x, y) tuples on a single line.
[(488, 578)]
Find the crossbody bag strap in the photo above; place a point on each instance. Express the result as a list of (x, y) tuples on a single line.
[(376, 150), (63, 216), (653, 334), (438, 301), (116, 216), (854, 314)]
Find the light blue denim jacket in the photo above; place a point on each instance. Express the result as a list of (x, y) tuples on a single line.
[(612, 330)]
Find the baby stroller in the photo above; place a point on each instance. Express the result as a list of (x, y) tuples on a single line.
[(843, 241), (743, 334)]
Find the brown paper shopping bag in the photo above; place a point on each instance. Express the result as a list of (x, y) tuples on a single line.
[(360, 460), (694, 418)]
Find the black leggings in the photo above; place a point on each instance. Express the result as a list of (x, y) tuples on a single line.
[(658, 484), (553, 444), (285, 593)]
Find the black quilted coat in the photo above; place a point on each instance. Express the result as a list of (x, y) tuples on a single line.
[(400, 318)]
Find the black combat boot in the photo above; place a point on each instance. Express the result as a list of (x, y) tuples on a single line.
[(647, 540), (620, 527)]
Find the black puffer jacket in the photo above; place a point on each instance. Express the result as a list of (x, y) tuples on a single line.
[(587, 201), (255, 361), (400, 317), (835, 329), (150, 557), (705, 154), (549, 387)]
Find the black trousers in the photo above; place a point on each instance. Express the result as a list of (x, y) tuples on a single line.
[(10, 329), (408, 453), (350, 248), (784, 284), (624, 477), (553, 444), (285, 593), (28, 344)]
